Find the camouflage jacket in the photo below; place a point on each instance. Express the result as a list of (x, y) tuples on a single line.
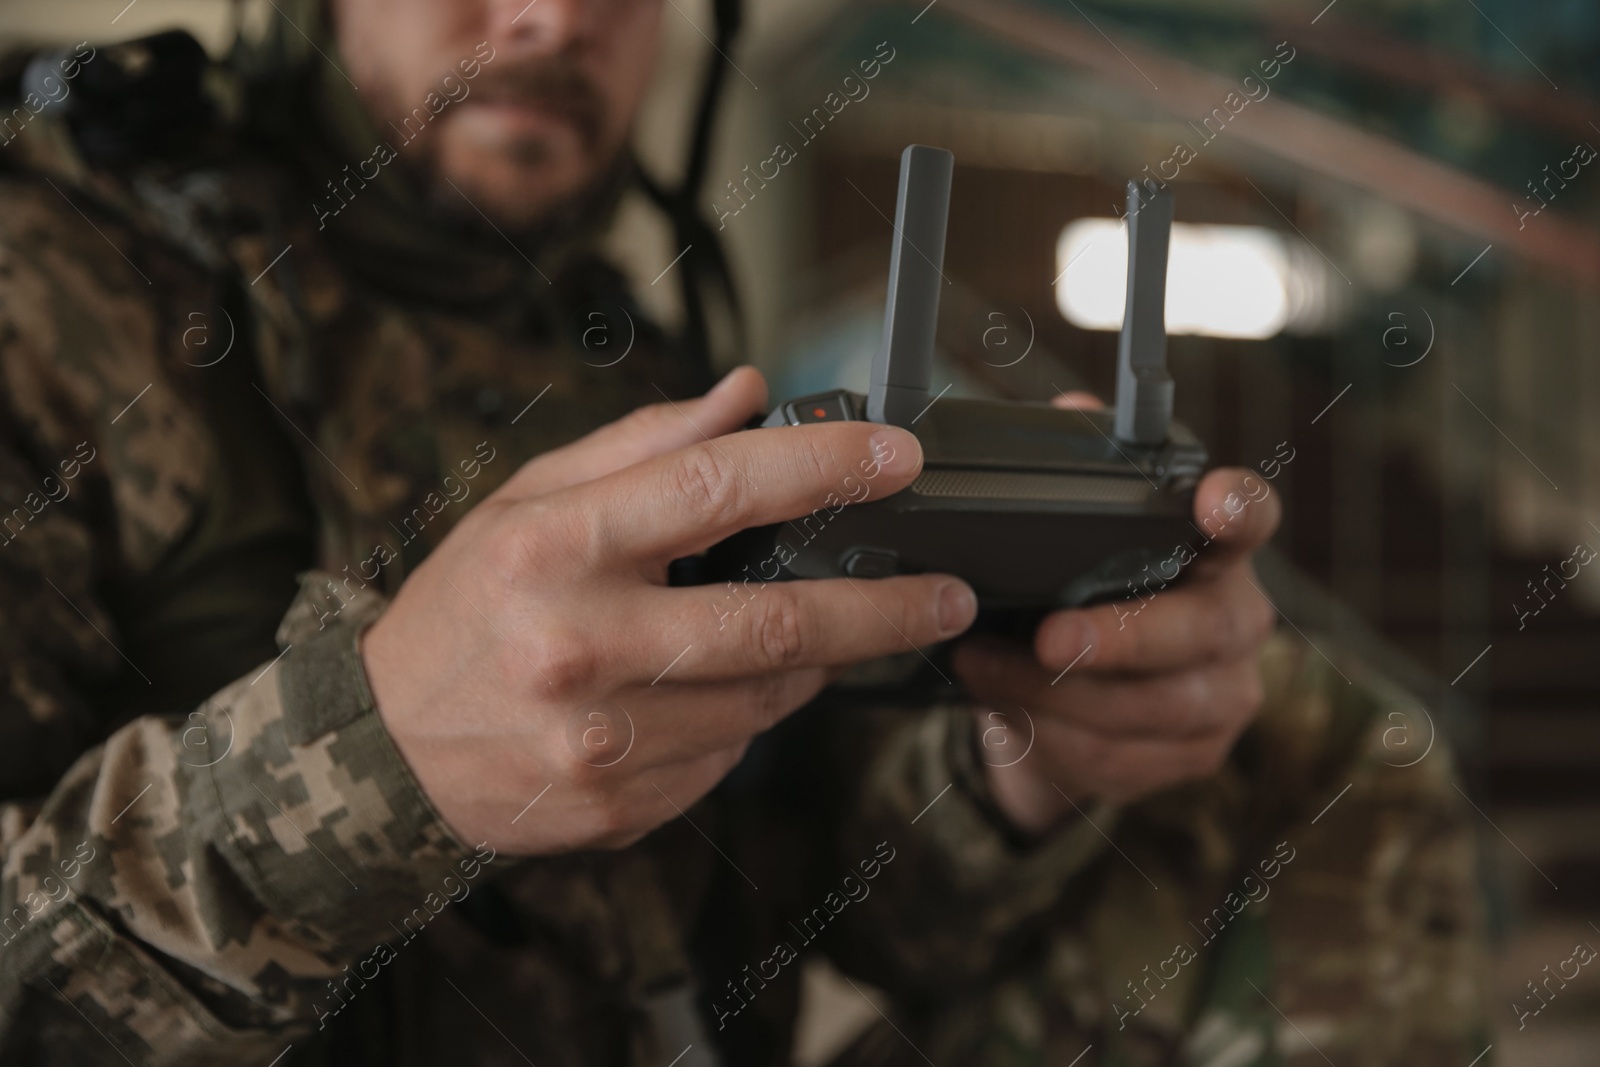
[(214, 414)]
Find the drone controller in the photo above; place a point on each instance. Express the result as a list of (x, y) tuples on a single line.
[(1036, 507)]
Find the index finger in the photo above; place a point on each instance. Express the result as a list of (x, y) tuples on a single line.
[(755, 629), (1205, 621), (1216, 610), (685, 502)]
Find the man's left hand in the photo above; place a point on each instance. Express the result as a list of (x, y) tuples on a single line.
[(1159, 688)]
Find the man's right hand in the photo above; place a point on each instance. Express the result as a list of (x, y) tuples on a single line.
[(545, 615)]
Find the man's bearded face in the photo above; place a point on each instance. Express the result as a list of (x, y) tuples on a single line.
[(552, 91)]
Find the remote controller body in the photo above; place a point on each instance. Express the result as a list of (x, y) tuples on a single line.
[(1036, 507)]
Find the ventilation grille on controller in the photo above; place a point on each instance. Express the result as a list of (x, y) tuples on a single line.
[(1024, 485)]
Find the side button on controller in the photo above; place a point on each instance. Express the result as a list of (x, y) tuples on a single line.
[(870, 563)]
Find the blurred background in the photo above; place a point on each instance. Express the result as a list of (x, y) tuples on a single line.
[(1386, 298)]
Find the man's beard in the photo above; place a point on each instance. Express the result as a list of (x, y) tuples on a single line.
[(531, 228), (554, 85)]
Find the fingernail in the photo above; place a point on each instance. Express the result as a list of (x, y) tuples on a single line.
[(722, 385), (957, 606), (895, 450)]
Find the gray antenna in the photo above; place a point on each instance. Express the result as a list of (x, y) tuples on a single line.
[(903, 365), (1144, 388)]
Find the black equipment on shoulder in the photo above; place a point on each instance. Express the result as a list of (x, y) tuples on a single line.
[(130, 102)]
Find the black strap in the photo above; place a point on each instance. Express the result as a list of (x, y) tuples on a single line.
[(704, 264)]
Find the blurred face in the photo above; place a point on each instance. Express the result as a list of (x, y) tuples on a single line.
[(521, 105)]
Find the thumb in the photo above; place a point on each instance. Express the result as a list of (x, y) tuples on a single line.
[(1236, 511), (653, 430)]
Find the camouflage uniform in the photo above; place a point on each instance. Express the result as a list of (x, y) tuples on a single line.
[(214, 853)]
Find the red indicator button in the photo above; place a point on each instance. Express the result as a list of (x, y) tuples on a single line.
[(825, 408)]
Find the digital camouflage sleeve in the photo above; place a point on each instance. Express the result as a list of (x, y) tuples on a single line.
[(172, 887)]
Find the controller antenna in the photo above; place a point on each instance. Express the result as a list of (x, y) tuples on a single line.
[(903, 365), (1144, 388)]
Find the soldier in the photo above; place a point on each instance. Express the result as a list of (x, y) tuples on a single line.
[(349, 717)]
